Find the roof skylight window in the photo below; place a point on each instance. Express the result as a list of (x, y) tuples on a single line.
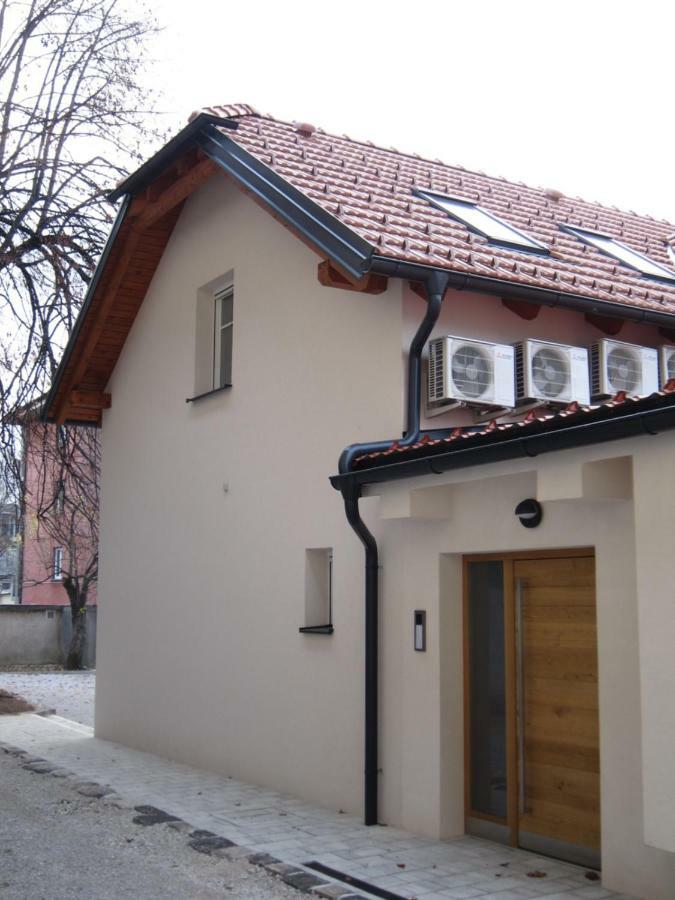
[(483, 222), (611, 247)]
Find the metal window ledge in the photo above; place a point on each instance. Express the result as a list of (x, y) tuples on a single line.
[(316, 629), (217, 390)]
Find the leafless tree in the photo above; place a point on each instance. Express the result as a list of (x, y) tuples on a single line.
[(61, 502), (74, 120)]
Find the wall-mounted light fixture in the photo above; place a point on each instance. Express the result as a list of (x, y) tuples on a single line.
[(530, 513), (420, 629)]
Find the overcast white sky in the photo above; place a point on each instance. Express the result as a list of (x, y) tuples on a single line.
[(573, 95)]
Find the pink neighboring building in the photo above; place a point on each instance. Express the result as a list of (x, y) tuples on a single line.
[(44, 556)]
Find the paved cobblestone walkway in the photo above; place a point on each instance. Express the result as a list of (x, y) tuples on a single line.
[(294, 832)]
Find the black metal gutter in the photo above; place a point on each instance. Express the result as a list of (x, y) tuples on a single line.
[(436, 283), (494, 448), (91, 290), (154, 166), (337, 241), (540, 296)]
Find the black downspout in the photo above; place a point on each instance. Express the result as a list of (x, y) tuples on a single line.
[(351, 498), (436, 284)]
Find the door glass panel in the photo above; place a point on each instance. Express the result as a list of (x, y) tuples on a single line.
[(487, 703)]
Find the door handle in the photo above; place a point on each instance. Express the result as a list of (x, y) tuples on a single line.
[(520, 695)]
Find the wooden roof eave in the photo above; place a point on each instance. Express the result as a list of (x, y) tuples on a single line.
[(137, 241)]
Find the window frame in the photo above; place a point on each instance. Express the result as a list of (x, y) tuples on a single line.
[(220, 297), (57, 564), (587, 236), (60, 498), (524, 243), (318, 561), (61, 438), (208, 368)]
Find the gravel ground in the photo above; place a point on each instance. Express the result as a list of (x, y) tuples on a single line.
[(71, 694), (58, 845)]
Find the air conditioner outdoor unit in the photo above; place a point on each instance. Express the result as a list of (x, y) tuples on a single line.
[(551, 374), (666, 363), (616, 366), (463, 372)]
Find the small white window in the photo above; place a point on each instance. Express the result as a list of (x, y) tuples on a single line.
[(57, 563), (611, 247), (222, 337), (319, 590), (483, 222), (59, 499), (213, 336)]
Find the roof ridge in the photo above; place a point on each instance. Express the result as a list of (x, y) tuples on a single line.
[(226, 111), (242, 110)]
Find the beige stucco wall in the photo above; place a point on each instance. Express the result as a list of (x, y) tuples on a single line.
[(202, 590), (655, 528), (426, 525), (207, 510)]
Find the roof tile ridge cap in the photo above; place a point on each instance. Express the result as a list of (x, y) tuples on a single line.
[(227, 111)]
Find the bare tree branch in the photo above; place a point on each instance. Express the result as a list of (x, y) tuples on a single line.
[(73, 121)]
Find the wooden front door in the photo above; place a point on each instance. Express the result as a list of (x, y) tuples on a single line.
[(532, 703)]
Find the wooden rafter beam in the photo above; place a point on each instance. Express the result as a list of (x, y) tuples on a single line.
[(606, 324), (178, 188), (418, 288), (521, 308), (330, 276), (91, 399), (75, 377), (166, 193)]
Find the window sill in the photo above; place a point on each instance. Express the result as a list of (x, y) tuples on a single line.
[(316, 629), (210, 393)]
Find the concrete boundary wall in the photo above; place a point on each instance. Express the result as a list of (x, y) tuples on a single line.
[(39, 635)]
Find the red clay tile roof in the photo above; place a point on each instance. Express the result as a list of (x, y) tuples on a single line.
[(369, 189), (535, 422)]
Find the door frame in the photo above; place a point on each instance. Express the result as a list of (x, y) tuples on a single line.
[(510, 678)]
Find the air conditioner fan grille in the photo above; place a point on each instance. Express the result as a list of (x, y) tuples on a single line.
[(623, 370), (472, 371), (550, 372)]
